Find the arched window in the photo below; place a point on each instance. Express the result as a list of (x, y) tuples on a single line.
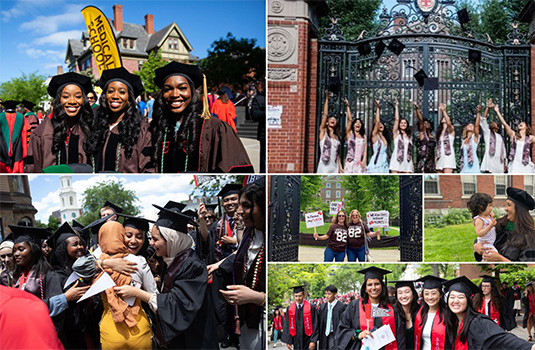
[(71, 200), (63, 201)]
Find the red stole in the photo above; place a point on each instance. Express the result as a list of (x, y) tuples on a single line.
[(307, 318), (277, 323), (438, 332), (458, 344), (494, 314), (389, 320)]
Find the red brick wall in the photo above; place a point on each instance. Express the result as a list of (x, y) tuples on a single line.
[(294, 142), (130, 64)]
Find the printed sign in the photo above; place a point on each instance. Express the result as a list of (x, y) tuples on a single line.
[(200, 179), (314, 219), (377, 218), (336, 206), (274, 117)]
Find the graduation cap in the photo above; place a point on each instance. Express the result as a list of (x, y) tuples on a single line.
[(122, 75), (136, 222), (463, 16), (94, 227), (299, 289), (10, 105), (528, 284), (462, 285), (334, 84), (431, 282), (426, 82), (173, 219), (229, 189), (374, 272), (521, 198), (58, 82), (210, 207), (401, 284), (79, 229), (379, 48), (364, 49), (64, 232), (190, 213), (174, 206), (474, 56), (488, 279), (28, 104), (117, 209), (396, 46), (174, 68), (29, 234), (7, 242)]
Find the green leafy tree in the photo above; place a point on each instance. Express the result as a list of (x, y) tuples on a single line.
[(353, 16), (439, 270), (29, 86), (89, 73), (372, 193), (229, 60), (494, 20), (95, 196), (147, 70), (53, 222), (310, 188), (215, 184)]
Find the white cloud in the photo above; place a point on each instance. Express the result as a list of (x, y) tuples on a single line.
[(50, 24), (58, 38), (21, 8), (46, 206), (51, 54)]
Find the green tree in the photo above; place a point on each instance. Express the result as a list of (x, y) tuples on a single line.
[(353, 16), (89, 73), (229, 60), (95, 196), (53, 222), (29, 86), (310, 188), (372, 193), (446, 271), (215, 184), (494, 20), (147, 70)]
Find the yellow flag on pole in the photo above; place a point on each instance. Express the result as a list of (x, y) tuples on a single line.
[(102, 40)]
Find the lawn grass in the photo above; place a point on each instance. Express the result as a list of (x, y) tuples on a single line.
[(450, 243), (394, 231)]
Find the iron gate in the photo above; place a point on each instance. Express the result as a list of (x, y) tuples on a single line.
[(284, 218), (410, 213), (435, 42)]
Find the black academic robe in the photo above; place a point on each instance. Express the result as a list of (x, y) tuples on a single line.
[(337, 312), (484, 334), (211, 254), (508, 313), (350, 322), (185, 318), (301, 341)]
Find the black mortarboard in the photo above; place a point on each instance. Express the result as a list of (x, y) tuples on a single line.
[(174, 68), (173, 219), (374, 272), (334, 84), (95, 225), (190, 213), (117, 209), (364, 49), (400, 284), (396, 46), (64, 232), (463, 16), (136, 222), (10, 105), (29, 234), (462, 285), (174, 206), (488, 279), (521, 198), (77, 226), (430, 84), (474, 56), (58, 82), (528, 284), (379, 48), (121, 74), (79, 229), (210, 207), (9, 237), (431, 282), (299, 289), (229, 189), (420, 77), (28, 104)]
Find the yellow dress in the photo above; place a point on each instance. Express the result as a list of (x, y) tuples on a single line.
[(119, 335)]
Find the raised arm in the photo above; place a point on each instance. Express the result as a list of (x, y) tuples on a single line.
[(375, 129), (349, 117), (323, 123), (478, 122), (449, 125), (421, 126), (508, 129), (396, 117)]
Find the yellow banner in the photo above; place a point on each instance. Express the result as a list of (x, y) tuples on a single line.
[(102, 40)]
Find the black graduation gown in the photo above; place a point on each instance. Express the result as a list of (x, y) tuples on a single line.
[(484, 333), (508, 313), (337, 312), (185, 316), (350, 322), (301, 341)]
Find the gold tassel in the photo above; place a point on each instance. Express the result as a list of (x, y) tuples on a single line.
[(205, 107)]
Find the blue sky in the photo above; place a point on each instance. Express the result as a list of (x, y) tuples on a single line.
[(150, 189), (34, 33)]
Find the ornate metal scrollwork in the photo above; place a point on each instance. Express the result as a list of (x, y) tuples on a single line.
[(334, 33)]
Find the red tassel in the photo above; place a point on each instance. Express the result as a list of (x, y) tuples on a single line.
[(237, 322)]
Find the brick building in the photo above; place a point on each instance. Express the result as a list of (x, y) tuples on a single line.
[(135, 42), (473, 271), (292, 83), (332, 189), (442, 192), (15, 202)]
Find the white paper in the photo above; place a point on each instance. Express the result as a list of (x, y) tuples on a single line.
[(335, 207), (104, 282), (73, 277), (97, 253), (314, 219), (378, 218), (130, 301), (274, 120), (381, 337)]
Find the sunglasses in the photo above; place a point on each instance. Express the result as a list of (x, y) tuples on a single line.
[(341, 216)]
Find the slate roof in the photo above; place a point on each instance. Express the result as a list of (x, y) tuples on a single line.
[(156, 37)]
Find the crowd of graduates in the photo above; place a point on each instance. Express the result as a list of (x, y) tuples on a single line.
[(129, 282), (114, 135), (445, 314)]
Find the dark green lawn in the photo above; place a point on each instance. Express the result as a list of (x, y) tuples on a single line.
[(450, 243)]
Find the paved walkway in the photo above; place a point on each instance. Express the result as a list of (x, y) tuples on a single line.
[(311, 254), (252, 147)]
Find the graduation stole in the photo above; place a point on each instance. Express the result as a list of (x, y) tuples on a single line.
[(365, 314), (11, 130), (224, 229), (438, 332), (307, 318), (458, 344), (494, 314), (277, 323)]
